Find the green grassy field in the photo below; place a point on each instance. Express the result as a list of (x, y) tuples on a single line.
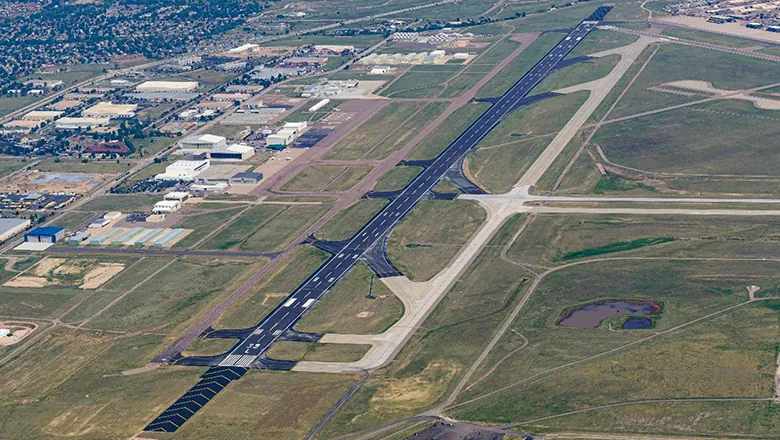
[(346, 308), (397, 178), (599, 41), (150, 146), (578, 74), (709, 38), (266, 228), (496, 53), (314, 177), (173, 296), (420, 247), (504, 155), (418, 84), (312, 351), (439, 352), (448, 131), (10, 104), (675, 62), (70, 220), (721, 137), (407, 131), (274, 287), (344, 225), (550, 237), (204, 223), (515, 69), (351, 177), (371, 132)]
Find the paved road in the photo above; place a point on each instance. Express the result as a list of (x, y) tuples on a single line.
[(318, 284)]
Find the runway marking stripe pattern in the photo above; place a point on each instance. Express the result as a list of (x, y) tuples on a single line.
[(313, 288)]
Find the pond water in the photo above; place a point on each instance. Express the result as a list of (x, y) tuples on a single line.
[(637, 323), (590, 315)]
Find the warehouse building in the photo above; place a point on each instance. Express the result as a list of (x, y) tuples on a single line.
[(48, 234), (280, 140), (167, 87), (179, 196), (110, 110), (184, 170), (246, 178), (12, 226), (39, 115), (203, 141), (81, 123), (220, 174), (166, 207), (232, 152)]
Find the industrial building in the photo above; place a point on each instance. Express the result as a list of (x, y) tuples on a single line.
[(285, 136), (48, 234), (167, 87), (12, 226), (319, 105), (246, 178), (110, 110), (81, 123), (220, 174), (379, 70), (230, 96), (184, 170), (44, 83), (39, 115), (166, 206), (112, 147), (231, 152), (179, 196), (203, 141)]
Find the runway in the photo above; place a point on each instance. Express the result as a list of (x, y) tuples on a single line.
[(317, 285), (305, 297)]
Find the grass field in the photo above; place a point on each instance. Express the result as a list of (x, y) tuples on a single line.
[(709, 38), (418, 84), (420, 247), (505, 154), (351, 177), (497, 53), (685, 364), (397, 178), (312, 351), (152, 145), (371, 132), (344, 225), (264, 404), (266, 228), (203, 224), (177, 293), (9, 166), (327, 178), (721, 137), (599, 41), (71, 220), (407, 131), (438, 354), (448, 131), (517, 68), (265, 295), (10, 104), (67, 384), (461, 84), (550, 237), (346, 308), (675, 62), (578, 73)]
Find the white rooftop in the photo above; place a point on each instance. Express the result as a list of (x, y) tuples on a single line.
[(209, 138), (234, 148)]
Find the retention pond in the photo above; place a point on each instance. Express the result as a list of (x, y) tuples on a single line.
[(590, 315)]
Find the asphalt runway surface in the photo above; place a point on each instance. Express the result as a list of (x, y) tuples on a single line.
[(317, 285)]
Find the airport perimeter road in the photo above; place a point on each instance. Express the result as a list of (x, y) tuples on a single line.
[(308, 293)]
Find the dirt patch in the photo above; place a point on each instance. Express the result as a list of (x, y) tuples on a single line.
[(97, 276), (366, 314), (752, 291), (50, 182), (47, 265), (423, 388), (20, 330)]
